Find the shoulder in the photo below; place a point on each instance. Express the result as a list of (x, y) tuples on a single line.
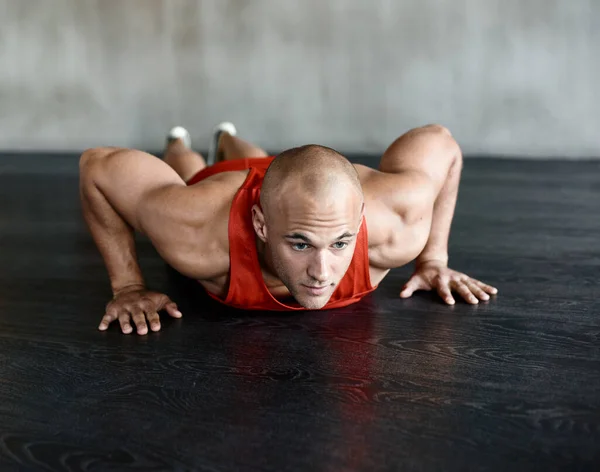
[(398, 210)]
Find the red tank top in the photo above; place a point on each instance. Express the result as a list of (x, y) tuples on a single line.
[(247, 289)]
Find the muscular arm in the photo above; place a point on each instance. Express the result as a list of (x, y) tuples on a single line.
[(123, 191), (430, 158), (427, 164), (113, 185)]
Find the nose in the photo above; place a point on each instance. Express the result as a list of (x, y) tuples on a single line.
[(318, 268)]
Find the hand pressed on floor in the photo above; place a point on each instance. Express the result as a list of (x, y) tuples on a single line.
[(138, 306), (435, 275)]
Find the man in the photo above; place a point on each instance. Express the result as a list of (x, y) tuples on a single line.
[(303, 230)]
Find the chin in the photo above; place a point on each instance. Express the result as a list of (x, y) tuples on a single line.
[(310, 301), (313, 303)]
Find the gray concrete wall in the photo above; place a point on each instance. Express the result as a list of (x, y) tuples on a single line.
[(516, 77)]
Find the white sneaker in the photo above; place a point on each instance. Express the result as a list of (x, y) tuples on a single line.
[(179, 132), (225, 127)]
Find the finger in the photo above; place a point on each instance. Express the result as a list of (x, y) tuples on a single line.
[(138, 317), (464, 292), (486, 288), (410, 287), (107, 319), (172, 310), (407, 291), (154, 320), (124, 322), (444, 292), (477, 291), (149, 308)]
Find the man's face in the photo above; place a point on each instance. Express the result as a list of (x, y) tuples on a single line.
[(310, 244)]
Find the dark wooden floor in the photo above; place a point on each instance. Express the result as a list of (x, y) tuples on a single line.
[(387, 384)]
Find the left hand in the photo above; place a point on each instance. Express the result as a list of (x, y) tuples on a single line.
[(436, 275)]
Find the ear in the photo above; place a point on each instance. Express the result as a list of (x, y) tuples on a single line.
[(258, 221)]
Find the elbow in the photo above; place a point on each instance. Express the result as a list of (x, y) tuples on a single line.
[(87, 157), (88, 166), (92, 165), (448, 145), (91, 157), (437, 129), (445, 138)]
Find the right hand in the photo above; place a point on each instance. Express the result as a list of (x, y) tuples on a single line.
[(138, 305)]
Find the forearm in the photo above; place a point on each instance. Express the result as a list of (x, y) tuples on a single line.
[(443, 212), (113, 236)]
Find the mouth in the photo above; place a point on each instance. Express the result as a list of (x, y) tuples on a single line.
[(316, 291)]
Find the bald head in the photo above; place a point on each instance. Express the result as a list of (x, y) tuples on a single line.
[(308, 222), (311, 172)]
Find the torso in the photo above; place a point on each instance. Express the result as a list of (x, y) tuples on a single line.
[(393, 241)]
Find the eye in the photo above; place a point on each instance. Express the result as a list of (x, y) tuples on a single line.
[(300, 246), (340, 245)]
